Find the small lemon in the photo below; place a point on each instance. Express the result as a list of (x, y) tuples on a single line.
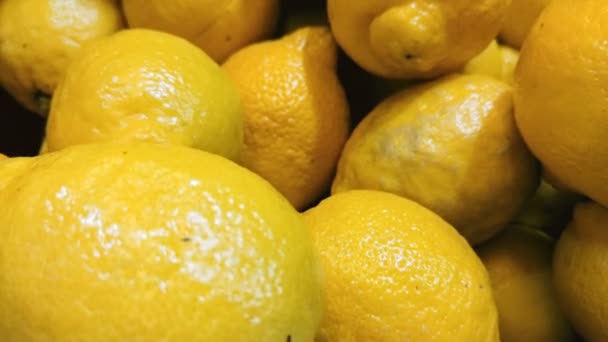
[(145, 85), (219, 27), (414, 38), (519, 260), (395, 271), (295, 111), (451, 145), (148, 242), (496, 60), (39, 38), (580, 271)]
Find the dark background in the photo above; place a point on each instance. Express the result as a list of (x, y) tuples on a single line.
[(20, 131)]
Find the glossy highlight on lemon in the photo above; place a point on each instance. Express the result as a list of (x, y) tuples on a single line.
[(148, 86), (395, 271), (39, 38), (147, 242)]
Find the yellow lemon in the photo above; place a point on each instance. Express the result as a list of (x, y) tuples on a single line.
[(450, 145), (39, 38), (488, 62), (580, 271), (509, 59), (395, 271), (518, 261), (295, 111), (519, 19), (414, 38), (218, 27), (144, 85), (549, 210), (496, 60), (147, 242), (560, 97)]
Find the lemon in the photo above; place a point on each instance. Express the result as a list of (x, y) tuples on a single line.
[(218, 27), (395, 271), (295, 111), (518, 261), (149, 86), (520, 18), (10, 168), (496, 60), (39, 38), (414, 38), (560, 95), (580, 271), (509, 58), (147, 242), (549, 210), (451, 145), (488, 62)]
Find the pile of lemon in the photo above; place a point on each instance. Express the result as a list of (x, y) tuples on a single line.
[(204, 177)]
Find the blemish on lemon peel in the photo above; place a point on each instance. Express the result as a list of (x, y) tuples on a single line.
[(451, 145)]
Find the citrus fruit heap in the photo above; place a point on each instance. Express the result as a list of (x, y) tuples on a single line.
[(330, 171)]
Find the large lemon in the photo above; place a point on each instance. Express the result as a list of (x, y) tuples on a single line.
[(147, 242)]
